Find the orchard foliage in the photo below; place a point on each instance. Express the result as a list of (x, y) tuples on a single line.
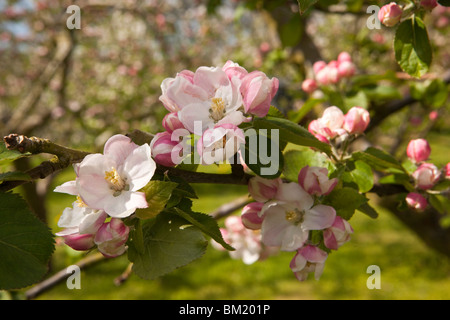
[(310, 163)]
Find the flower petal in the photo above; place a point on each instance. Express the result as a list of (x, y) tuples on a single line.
[(319, 217)]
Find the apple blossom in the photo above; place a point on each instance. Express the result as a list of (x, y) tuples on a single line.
[(428, 4), (447, 171), (111, 181), (258, 91), (233, 69), (250, 215), (112, 237), (309, 85), (426, 176), (208, 96), (329, 125), (308, 259), (247, 243), (418, 150), (416, 201), (344, 56), (328, 75), (390, 14), (356, 120), (288, 219), (262, 189), (346, 69), (314, 180), (319, 65), (220, 143), (165, 151), (171, 122), (338, 234)]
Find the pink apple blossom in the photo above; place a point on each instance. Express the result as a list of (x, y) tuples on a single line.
[(346, 69), (111, 181), (258, 91), (309, 85), (262, 189), (314, 180), (338, 234), (171, 122), (344, 56), (329, 125), (328, 75), (247, 243), (319, 65), (288, 219), (207, 96), (447, 171), (426, 176), (220, 143), (165, 151), (233, 69), (111, 238), (250, 215), (356, 120), (418, 150), (416, 201), (308, 259), (390, 14), (428, 4)]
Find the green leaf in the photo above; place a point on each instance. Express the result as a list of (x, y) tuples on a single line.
[(304, 5), (362, 175), (368, 210), (295, 160), (412, 47), (206, 224), (10, 155), (26, 244), (345, 201), (157, 194), (378, 159), (291, 132), (440, 203), (169, 242), (262, 154)]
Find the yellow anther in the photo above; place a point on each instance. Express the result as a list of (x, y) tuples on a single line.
[(115, 180)]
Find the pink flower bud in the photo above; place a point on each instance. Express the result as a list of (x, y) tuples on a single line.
[(263, 189), (162, 148), (344, 56), (111, 238), (338, 234), (416, 201), (171, 122), (309, 85), (250, 215), (426, 176), (418, 150), (356, 120), (258, 91), (447, 171), (319, 65), (346, 69), (308, 259), (80, 242), (314, 180), (428, 4), (390, 14), (328, 75)]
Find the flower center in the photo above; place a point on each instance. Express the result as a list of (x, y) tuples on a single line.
[(80, 203), (217, 111), (295, 216), (116, 182)]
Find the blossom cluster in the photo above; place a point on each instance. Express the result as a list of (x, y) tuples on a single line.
[(335, 126), (211, 103), (285, 213), (330, 73), (425, 176), (107, 189), (391, 13)]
